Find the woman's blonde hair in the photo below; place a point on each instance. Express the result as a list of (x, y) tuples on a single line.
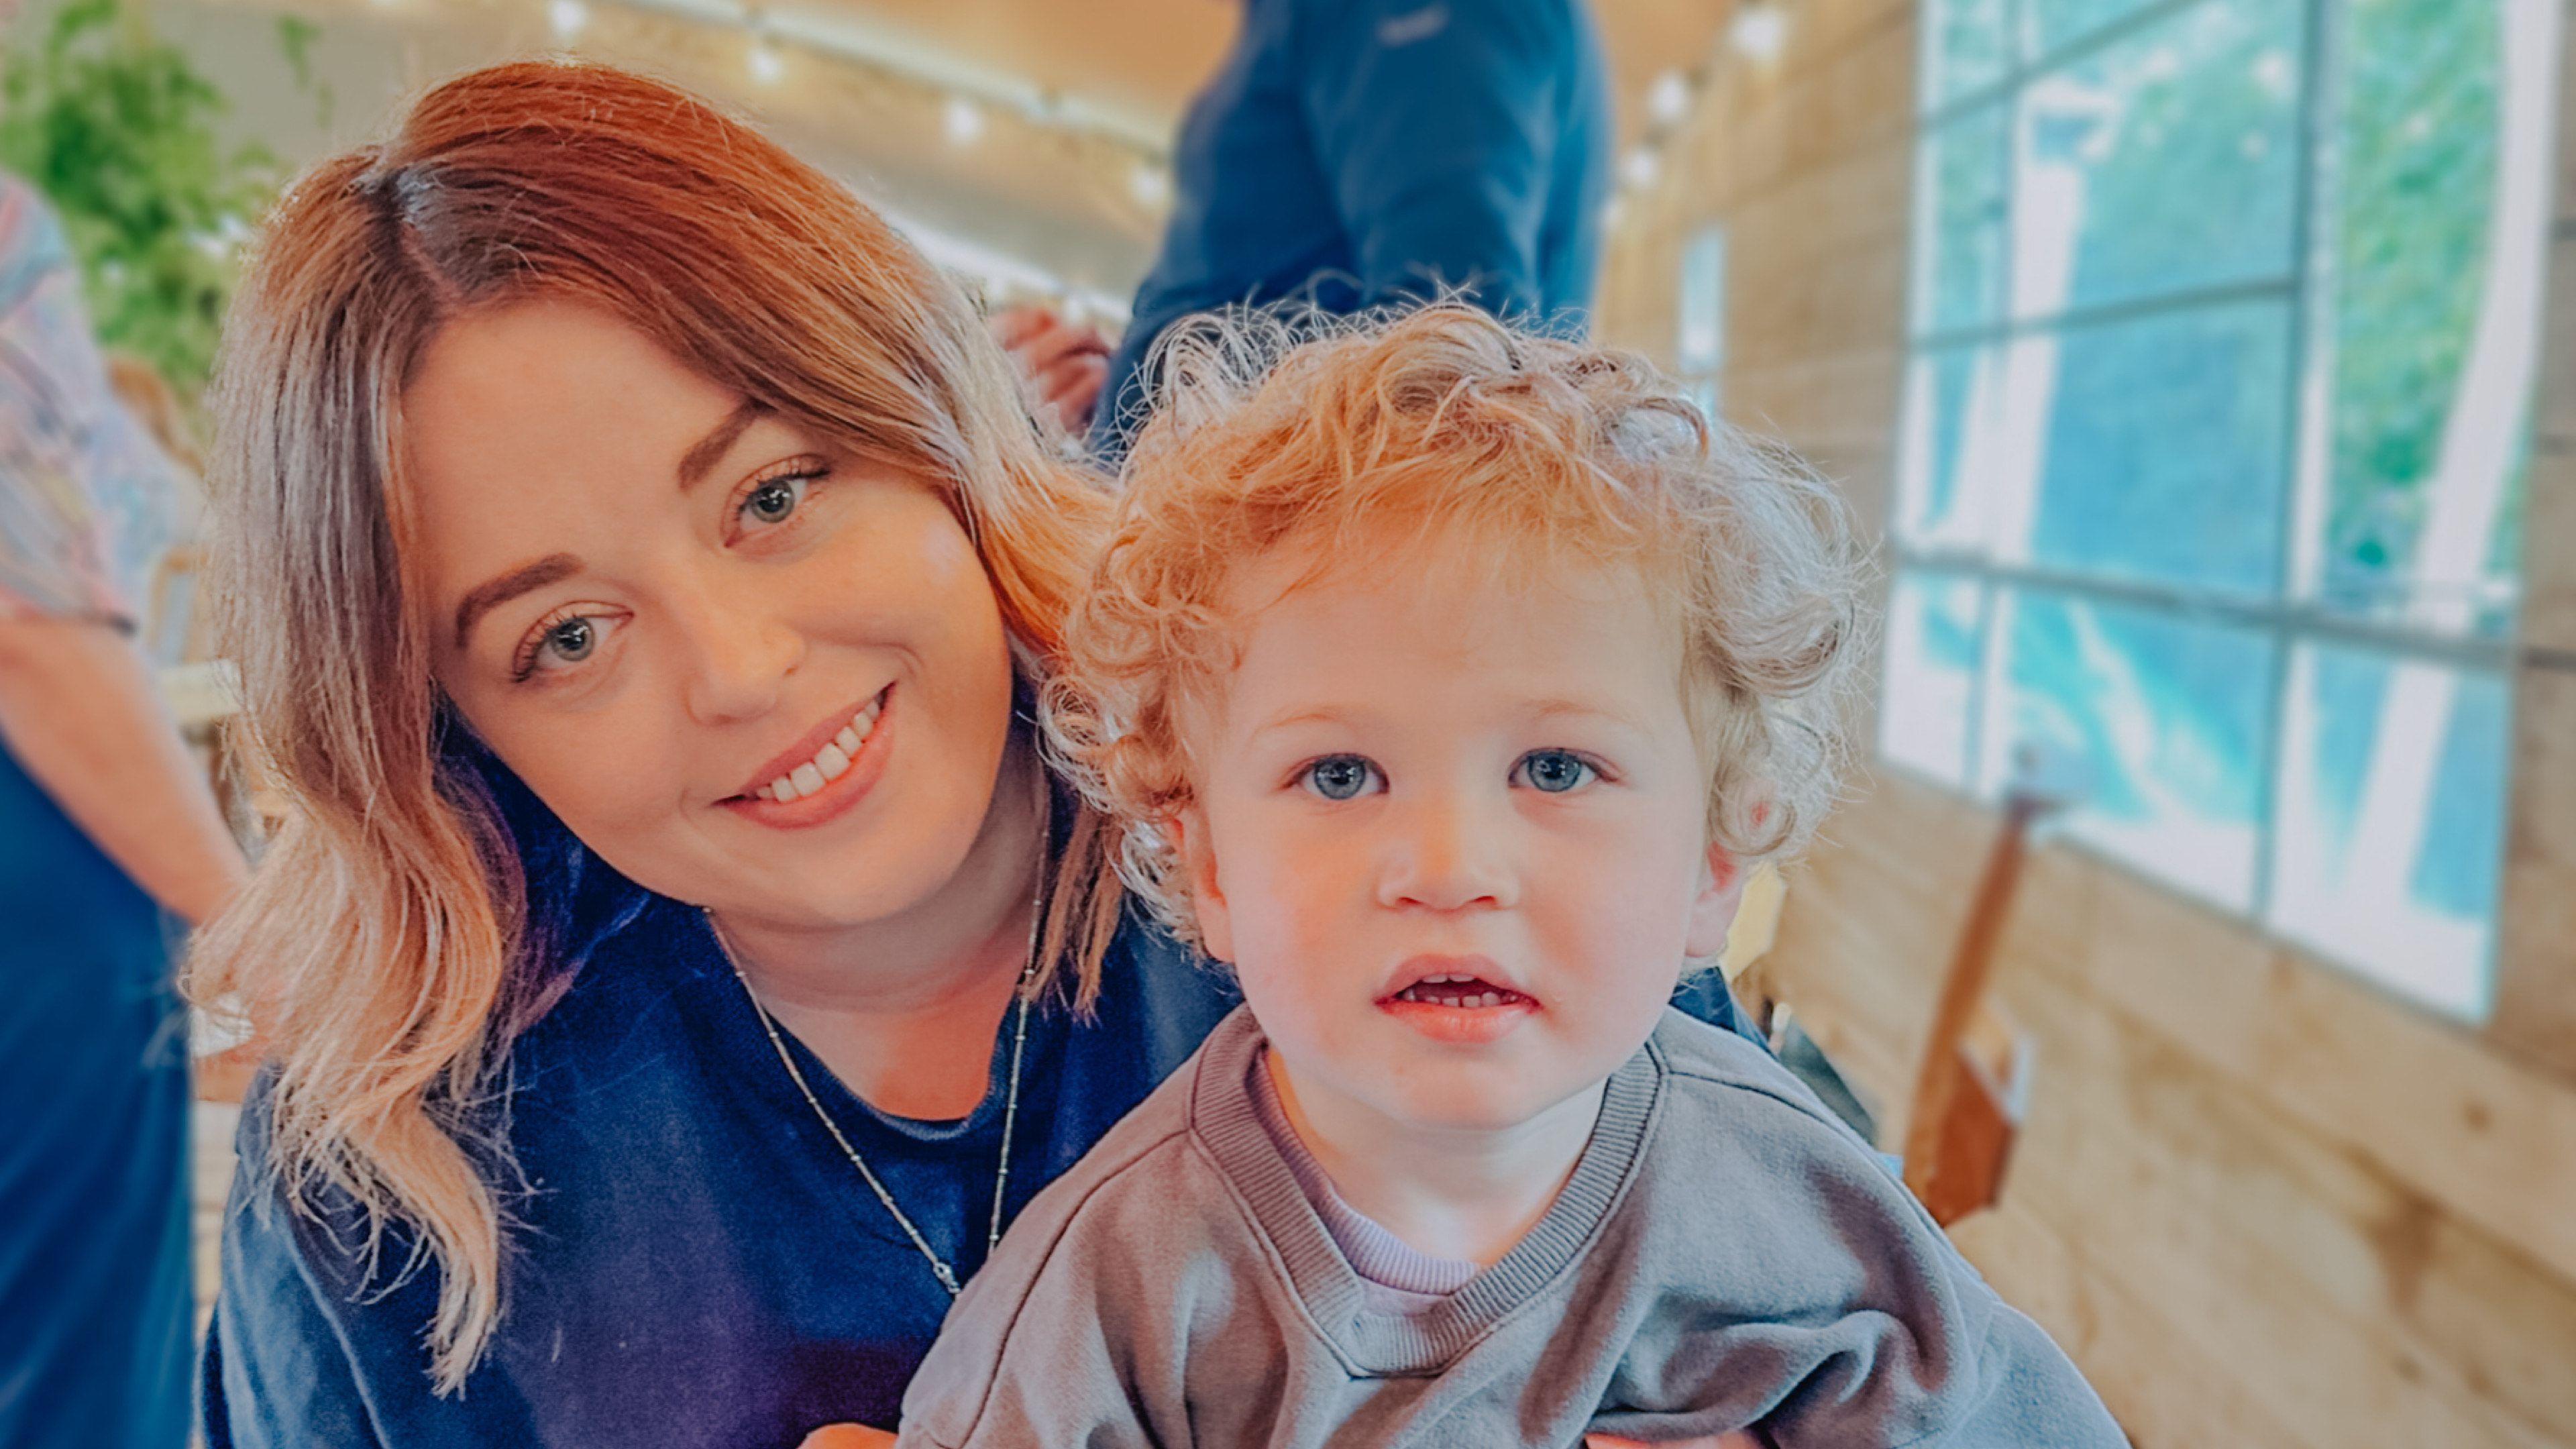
[(385, 949), (1496, 444)]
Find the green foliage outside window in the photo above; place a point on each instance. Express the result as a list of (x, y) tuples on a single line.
[(2417, 181), (117, 129)]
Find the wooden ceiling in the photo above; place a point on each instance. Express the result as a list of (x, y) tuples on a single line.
[(1144, 58), (1055, 184), (1134, 64)]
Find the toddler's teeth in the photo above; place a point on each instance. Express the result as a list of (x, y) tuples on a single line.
[(832, 760), (784, 788), (763, 793), (848, 740), (807, 778)]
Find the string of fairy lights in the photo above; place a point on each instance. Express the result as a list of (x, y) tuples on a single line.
[(1757, 33)]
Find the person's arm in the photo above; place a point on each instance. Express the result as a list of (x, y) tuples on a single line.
[(79, 713), (1433, 120)]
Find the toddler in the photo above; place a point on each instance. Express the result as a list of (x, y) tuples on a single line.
[(1446, 681)]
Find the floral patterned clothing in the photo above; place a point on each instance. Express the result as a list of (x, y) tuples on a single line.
[(88, 501)]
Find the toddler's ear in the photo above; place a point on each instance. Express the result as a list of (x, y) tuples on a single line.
[(1721, 890), (1188, 833)]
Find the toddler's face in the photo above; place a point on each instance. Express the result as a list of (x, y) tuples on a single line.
[(1450, 833)]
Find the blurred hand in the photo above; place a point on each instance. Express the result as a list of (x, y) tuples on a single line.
[(848, 1436), (1740, 1439), (1061, 365)]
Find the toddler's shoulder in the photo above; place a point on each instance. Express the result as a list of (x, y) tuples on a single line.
[(1731, 1097)]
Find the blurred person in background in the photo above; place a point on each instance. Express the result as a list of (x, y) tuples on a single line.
[(1350, 153), (106, 823)]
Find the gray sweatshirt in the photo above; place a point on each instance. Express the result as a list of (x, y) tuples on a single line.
[(1726, 1253)]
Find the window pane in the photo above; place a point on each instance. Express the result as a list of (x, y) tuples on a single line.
[(2165, 162), (1959, 223), (1932, 661), (1703, 299), (2048, 26), (1965, 46), (2392, 820), (2159, 717), (1950, 401), (2435, 310), (2165, 448)]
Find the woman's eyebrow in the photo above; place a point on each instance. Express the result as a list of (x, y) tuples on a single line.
[(704, 453), (492, 593)]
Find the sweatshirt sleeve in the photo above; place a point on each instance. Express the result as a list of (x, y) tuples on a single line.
[(1815, 1298)]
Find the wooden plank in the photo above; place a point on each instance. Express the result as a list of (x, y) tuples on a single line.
[(2554, 412), (2158, 1378), (2549, 526), (2535, 1011), (2294, 1261), (2428, 1099)]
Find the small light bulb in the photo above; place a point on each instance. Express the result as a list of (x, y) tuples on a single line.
[(1761, 31), (1669, 98), (964, 121), (1149, 185), (567, 17), (1641, 167), (766, 64)]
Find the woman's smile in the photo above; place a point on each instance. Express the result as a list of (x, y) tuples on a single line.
[(823, 774)]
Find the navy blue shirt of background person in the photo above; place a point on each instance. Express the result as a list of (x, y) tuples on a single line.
[(1351, 153), (693, 1260)]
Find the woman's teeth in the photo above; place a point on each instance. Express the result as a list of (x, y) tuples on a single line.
[(1451, 991), (828, 763)]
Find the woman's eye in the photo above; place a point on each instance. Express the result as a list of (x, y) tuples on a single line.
[(560, 644), (772, 501), (1555, 771), (572, 640), (1338, 777)]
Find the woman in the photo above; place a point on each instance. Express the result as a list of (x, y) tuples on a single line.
[(678, 966)]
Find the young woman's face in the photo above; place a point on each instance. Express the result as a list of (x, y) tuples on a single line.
[(751, 675)]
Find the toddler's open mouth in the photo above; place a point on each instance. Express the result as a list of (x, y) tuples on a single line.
[(1459, 991), (1457, 1000)]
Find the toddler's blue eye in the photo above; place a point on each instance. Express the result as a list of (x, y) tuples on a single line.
[(1339, 777), (1555, 771)]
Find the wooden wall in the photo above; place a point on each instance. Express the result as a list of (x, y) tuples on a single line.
[(2259, 1202)]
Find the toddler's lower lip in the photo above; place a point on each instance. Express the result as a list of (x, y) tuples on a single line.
[(1460, 1025)]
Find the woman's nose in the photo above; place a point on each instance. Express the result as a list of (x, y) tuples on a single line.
[(1446, 854), (738, 657)]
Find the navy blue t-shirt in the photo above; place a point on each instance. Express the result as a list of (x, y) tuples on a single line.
[(695, 1262), (1350, 153)]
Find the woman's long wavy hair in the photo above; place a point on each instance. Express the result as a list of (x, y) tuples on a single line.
[(387, 950)]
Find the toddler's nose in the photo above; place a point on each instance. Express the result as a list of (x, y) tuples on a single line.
[(1444, 857)]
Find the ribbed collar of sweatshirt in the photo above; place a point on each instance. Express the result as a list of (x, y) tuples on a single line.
[(1373, 1335)]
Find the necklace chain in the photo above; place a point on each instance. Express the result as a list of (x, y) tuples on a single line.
[(939, 1267)]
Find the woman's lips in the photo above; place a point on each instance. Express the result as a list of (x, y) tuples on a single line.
[(836, 795)]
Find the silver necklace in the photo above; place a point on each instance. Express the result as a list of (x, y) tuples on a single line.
[(939, 1268)]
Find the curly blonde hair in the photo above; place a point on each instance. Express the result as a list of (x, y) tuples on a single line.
[(1442, 426)]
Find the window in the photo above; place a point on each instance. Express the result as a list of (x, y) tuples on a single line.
[(1702, 352), (2224, 320)]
